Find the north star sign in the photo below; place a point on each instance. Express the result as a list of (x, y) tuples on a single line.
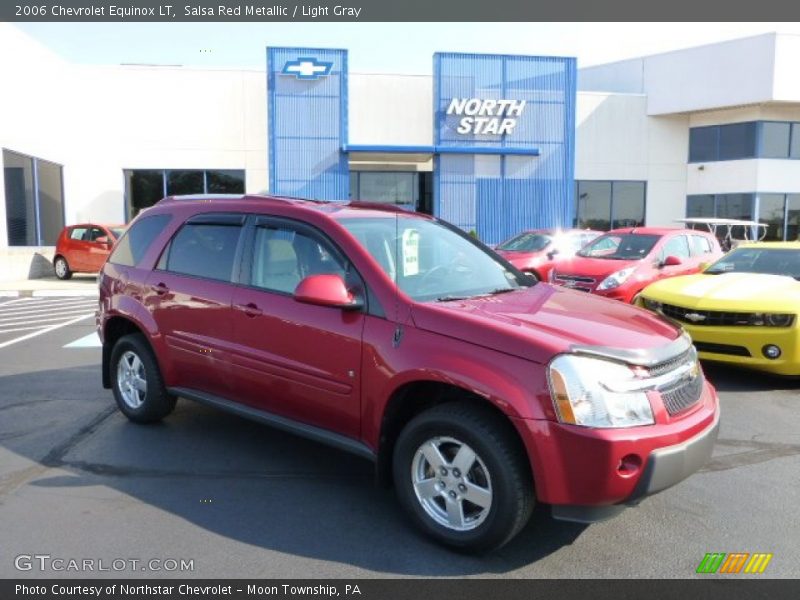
[(486, 117)]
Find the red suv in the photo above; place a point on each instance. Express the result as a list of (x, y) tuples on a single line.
[(84, 248), (539, 250), (396, 336), (623, 262)]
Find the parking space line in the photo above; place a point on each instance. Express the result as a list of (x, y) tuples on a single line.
[(2, 331), (28, 301), (64, 293), (43, 331), (23, 320), (26, 311)]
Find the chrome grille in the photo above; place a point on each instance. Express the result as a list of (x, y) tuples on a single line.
[(672, 363), (706, 317), (682, 395)]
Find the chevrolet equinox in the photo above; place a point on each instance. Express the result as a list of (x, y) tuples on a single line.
[(476, 390)]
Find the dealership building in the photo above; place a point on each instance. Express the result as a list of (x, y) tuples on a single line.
[(492, 143)]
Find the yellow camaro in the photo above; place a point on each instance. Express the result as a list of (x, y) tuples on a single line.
[(743, 309)]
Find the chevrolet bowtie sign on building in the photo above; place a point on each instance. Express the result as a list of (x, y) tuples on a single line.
[(307, 68)]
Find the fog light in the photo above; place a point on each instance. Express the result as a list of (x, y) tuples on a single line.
[(771, 351), (629, 465)]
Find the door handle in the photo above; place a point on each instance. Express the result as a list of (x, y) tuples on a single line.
[(160, 289), (250, 309)]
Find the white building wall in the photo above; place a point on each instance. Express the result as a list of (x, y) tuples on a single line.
[(616, 140), (97, 121), (390, 109)]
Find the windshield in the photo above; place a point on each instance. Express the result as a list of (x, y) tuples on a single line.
[(767, 261), (620, 246), (526, 242), (430, 261), (117, 231)]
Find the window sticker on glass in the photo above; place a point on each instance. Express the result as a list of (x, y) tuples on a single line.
[(410, 252)]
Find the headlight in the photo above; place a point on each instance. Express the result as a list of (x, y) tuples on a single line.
[(771, 320), (594, 393), (616, 279), (653, 305)]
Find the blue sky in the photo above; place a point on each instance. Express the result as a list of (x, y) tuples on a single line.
[(375, 47)]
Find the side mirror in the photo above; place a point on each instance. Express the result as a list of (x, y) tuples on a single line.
[(326, 289), (552, 253), (672, 261)]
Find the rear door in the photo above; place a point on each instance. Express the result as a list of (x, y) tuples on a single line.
[(190, 292), (96, 251), (294, 359), (77, 247)]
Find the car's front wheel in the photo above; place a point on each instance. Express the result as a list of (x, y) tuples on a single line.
[(463, 477), (61, 268), (136, 381)]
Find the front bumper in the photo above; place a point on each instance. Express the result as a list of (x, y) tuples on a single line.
[(664, 468), (744, 346), (589, 474)]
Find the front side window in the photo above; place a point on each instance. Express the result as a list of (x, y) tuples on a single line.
[(137, 239), (205, 250), (676, 246), (700, 245), (429, 261), (283, 257), (626, 246)]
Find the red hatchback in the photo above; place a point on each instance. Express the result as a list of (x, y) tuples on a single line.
[(84, 248), (537, 251), (621, 263), (474, 389)]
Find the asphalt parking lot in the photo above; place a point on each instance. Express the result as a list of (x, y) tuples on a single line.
[(78, 481)]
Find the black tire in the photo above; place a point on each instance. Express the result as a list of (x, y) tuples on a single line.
[(494, 441), (61, 268), (155, 403)]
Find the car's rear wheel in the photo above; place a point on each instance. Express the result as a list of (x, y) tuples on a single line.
[(462, 476), (136, 381), (61, 268)]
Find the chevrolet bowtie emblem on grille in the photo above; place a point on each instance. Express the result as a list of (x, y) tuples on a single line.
[(307, 68), (694, 317)]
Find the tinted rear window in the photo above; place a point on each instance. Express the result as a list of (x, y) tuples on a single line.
[(133, 245), (204, 250), (526, 242)]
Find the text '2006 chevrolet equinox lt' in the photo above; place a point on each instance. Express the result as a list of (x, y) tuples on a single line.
[(475, 390)]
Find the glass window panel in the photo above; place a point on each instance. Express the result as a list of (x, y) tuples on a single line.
[(594, 205), (628, 205), (735, 206), (354, 185), (737, 141), (77, 233), (389, 188), (700, 245), (137, 239), (20, 206), (143, 188), (775, 140), (676, 246), (794, 147), (204, 250), (770, 211), (51, 201), (225, 182), (184, 182), (703, 144), (701, 205), (793, 217)]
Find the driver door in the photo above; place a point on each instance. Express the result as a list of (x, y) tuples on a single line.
[(292, 359)]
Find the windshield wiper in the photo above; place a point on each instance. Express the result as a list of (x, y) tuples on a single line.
[(500, 291), (452, 298)]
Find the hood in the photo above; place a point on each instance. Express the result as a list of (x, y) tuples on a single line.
[(523, 258), (598, 268), (541, 321), (729, 291)]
